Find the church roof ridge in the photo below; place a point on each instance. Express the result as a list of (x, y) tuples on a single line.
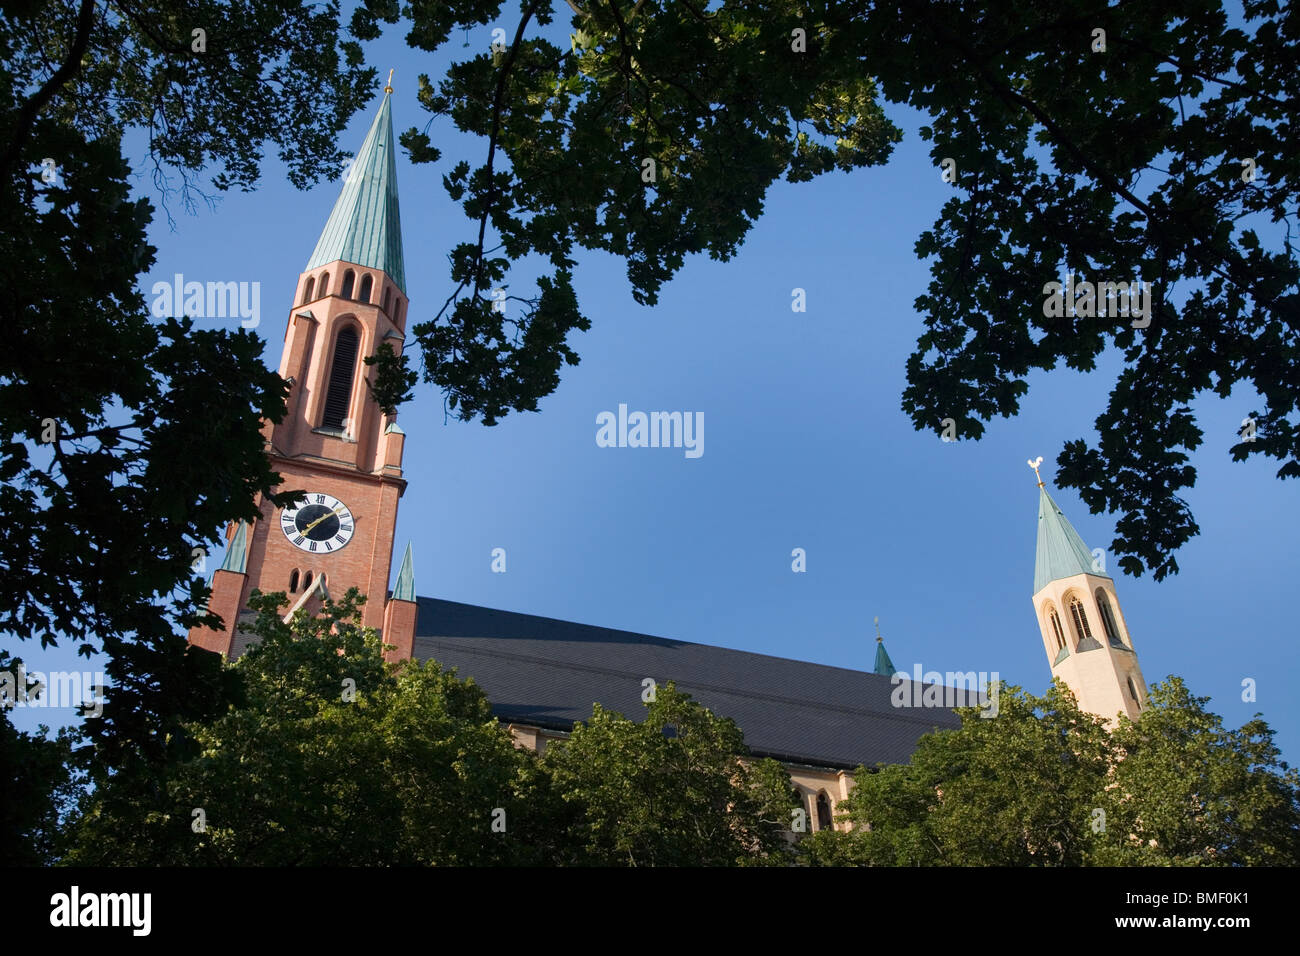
[(543, 671)]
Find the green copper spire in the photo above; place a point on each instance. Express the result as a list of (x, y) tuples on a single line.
[(405, 590), (884, 666), (1061, 552), (237, 552), (365, 227)]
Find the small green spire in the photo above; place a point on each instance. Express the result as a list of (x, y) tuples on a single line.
[(365, 227), (884, 666), (405, 589), (237, 551)]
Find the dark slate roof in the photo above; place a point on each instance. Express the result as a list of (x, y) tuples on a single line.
[(548, 673)]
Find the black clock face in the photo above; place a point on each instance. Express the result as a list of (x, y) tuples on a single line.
[(318, 523)]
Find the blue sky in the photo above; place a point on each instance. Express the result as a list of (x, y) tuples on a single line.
[(805, 446)]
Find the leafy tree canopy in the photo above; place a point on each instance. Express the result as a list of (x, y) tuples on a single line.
[(1121, 143), (670, 790), (1044, 784), (39, 781), (333, 758), (124, 440)]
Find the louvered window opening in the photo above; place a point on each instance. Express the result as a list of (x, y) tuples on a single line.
[(1081, 628), (1108, 619), (339, 396), (1056, 629)]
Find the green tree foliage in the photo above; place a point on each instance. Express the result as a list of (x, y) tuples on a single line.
[(1119, 163), (670, 791), (1190, 792), (126, 439), (333, 758), (1044, 784), (39, 786)]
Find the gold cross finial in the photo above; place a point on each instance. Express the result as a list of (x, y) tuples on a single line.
[(388, 87), (1034, 463)]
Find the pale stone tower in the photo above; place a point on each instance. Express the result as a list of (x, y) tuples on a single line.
[(1087, 642)]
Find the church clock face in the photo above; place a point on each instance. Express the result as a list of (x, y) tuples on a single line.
[(318, 524)]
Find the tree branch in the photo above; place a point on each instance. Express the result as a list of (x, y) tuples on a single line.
[(71, 64)]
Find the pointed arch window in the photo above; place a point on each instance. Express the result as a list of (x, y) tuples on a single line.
[(388, 300), (1132, 692), (293, 581), (324, 284), (366, 285), (307, 291), (1108, 619), (1084, 641), (348, 279), (824, 819), (1058, 633), (306, 581), (338, 397)]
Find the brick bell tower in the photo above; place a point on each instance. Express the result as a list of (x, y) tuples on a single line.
[(335, 442)]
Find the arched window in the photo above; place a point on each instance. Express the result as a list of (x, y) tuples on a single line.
[(364, 294), (338, 397), (1108, 619), (293, 581), (1057, 632), (397, 312), (306, 292), (324, 284), (1084, 641), (1132, 692), (388, 300), (306, 581), (824, 821), (348, 279)]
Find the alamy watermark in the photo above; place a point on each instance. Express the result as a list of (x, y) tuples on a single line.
[(53, 689), (74, 908), (215, 300), (1104, 299), (653, 430), (947, 690)]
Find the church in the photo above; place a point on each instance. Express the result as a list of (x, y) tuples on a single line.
[(542, 675)]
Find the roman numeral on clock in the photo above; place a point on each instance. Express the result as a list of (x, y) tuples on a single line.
[(317, 519)]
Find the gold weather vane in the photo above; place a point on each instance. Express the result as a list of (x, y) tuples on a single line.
[(1034, 463), (388, 87), (879, 639)]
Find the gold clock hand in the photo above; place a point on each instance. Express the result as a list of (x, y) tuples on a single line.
[(334, 512)]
